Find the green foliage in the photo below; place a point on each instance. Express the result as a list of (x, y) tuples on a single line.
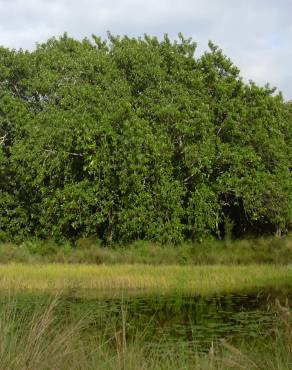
[(134, 138)]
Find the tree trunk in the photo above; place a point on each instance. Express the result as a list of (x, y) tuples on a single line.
[(278, 232)]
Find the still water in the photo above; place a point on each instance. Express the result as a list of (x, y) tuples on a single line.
[(159, 320), (166, 319), (183, 318)]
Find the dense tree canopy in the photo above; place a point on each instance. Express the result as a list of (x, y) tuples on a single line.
[(130, 138)]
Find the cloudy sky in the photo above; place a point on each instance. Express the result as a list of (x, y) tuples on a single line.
[(255, 34)]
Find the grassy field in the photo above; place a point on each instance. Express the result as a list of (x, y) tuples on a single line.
[(111, 280)]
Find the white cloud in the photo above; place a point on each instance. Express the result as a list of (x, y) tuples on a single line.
[(255, 34)]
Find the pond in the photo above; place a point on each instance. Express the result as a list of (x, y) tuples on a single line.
[(164, 319)]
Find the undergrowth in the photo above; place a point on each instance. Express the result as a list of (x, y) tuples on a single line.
[(86, 250)]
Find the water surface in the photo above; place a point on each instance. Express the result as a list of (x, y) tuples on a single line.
[(164, 319)]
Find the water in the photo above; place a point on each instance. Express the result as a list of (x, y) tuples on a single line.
[(184, 318), (165, 319)]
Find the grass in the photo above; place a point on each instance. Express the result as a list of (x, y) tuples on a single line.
[(40, 341), (140, 279), (87, 250)]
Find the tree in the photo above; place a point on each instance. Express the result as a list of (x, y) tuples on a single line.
[(136, 138)]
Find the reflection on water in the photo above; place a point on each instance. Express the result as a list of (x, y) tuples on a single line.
[(186, 318), (166, 318)]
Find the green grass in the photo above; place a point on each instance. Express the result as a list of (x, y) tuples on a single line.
[(139, 279), (236, 252)]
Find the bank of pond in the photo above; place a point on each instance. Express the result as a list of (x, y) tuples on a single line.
[(145, 317)]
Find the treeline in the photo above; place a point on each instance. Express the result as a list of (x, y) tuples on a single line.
[(127, 139)]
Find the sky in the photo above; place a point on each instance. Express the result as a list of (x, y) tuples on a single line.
[(255, 34)]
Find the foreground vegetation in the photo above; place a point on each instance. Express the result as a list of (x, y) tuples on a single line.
[(45, 333), (129, 139), (39, 340), (140, 279)]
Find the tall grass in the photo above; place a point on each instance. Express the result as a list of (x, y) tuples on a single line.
[(139, 279), (40, 341), (35, 342)]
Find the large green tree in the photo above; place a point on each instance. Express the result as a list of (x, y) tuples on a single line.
[(136, 138)]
